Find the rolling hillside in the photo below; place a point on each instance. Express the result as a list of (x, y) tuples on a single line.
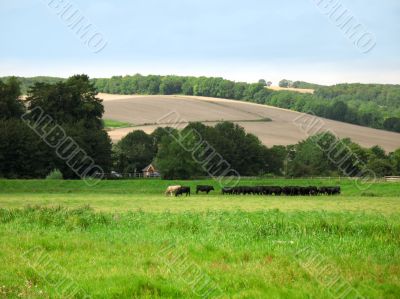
[(281, 129)]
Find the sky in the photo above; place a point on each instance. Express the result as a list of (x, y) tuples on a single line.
[(237, 40)]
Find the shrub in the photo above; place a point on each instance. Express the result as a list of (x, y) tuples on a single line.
[(54, 175)]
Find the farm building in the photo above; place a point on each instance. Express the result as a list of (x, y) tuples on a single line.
[(150, 171)]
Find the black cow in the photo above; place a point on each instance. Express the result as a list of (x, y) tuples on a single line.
[(330, 190), (227, 190), (258, 190), (275, 190), (183, 190), (202, 188), (313, 190)]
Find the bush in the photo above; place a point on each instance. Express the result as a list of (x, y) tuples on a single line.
[(54, 175)]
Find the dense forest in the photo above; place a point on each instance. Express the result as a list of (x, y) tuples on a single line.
[(371, 105), (72, 110)]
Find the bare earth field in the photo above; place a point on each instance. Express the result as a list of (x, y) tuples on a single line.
[(149, 112), (300, 90)]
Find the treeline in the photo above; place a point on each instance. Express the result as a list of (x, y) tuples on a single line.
[(197, 150), (298, 84), (371, 105), (197, 86), (182, 154), (27, 82), (375, 105)]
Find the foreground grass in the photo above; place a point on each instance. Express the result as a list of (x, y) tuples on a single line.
[(246, 255), (248, 246)]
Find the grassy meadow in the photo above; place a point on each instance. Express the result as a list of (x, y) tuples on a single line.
[(115, 124), (125, 239)]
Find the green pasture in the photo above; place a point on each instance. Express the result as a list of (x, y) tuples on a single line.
[(115, 124), (110, 241)]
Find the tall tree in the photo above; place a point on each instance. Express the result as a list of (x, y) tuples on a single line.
[(73, 105), (134, 152), (22, 153), (70, 101), (11, 105), (174, 161)]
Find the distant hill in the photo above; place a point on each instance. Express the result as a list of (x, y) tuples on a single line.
[(384, 95), (273, 126), (370, 105)]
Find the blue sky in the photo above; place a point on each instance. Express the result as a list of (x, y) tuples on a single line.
[(239, 40)]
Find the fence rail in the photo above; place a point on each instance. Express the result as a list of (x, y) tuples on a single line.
[(127, 176), (139, 175), (392, 178)]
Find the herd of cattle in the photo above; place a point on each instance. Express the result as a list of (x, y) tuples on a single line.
[(258, 190)]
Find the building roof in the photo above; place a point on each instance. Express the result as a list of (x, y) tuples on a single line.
[(150, 167)]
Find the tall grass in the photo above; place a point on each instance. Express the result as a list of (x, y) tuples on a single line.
[(248, 254), (254, 224)]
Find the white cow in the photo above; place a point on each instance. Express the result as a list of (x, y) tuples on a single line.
[(171, 190)]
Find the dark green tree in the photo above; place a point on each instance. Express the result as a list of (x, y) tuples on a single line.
[(376, 152), (22, 153), (380, 167), (395, 161), (392, 124), (72, 105), (275, 159), (171, 85), (174, 161), (68, 102), (338, 111), (134, 152), (11, 105), (285, 83), (263, 82)]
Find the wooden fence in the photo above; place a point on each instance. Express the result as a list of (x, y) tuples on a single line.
[(127, 176), (139, 175), (392, 178)]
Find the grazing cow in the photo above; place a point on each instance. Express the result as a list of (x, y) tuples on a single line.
[(330, 190), (275, 190), (292, 190), (337, 190), (258, 190), (313, 190), (247, 190), (322, 190), (183, 190), (201, 188), (171, 190), (227, 190), (333, 190), (286, 190)]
